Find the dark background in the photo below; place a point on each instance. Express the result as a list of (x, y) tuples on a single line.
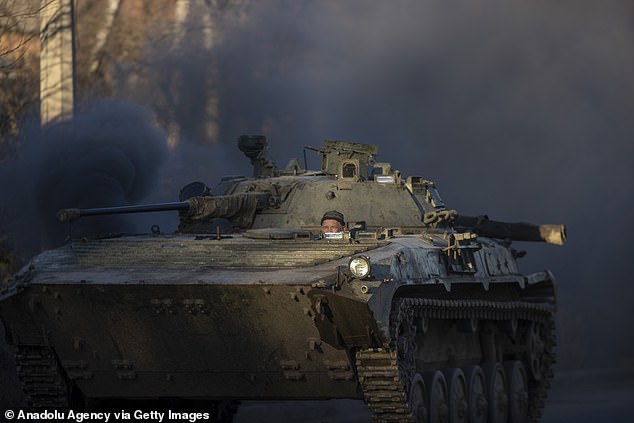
[(522, 110)]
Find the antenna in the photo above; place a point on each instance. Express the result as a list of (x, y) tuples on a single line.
[(311, 148)]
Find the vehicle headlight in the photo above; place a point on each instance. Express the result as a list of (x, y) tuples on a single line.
[(360, 266)]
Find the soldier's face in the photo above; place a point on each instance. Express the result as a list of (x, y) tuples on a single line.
[(330, 226)]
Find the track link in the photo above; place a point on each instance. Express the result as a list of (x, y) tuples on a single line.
[(383, 386), (385, 378), (41, 377)]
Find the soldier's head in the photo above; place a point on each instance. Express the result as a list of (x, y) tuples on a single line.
[(332, 222)]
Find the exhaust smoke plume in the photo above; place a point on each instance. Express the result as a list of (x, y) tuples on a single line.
[(109, 155)]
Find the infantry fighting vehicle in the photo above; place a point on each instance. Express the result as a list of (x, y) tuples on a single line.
[(419, 311)]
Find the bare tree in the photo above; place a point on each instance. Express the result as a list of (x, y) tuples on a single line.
[(19, 27), (112, 6)]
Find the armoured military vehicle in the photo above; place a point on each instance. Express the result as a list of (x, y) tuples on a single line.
[(419, 311)]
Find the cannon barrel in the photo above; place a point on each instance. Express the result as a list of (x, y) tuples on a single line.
[(69, 215), (550, 233), (235, 206)]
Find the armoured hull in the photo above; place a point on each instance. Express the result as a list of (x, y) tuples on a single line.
[(202, 318), (180, 341), (121, 327)]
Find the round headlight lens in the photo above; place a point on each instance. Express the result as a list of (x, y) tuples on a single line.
[(359, 266)]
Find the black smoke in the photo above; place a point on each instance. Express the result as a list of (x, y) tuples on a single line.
[(110, 154)]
